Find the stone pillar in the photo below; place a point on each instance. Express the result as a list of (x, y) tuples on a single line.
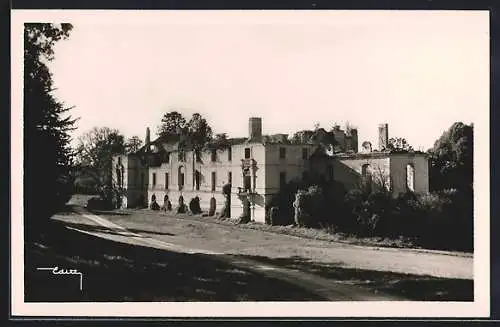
[(383, 136)]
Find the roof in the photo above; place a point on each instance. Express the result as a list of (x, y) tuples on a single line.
[(377, 154), (174, 141)]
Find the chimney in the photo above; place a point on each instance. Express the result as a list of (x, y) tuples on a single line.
[(147, 139), (383, 136), (354, 140), (255, 128)]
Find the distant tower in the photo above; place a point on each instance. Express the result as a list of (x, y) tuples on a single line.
[(354, 139), (147, 140), (383, 136), (255, 129)]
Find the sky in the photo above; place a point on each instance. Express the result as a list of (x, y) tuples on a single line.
[(417, 71)]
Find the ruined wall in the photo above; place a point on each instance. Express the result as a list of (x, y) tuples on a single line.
[(392, 168), (293, 165), (222, 166), (399, 164), (132, 169), (348, 170)]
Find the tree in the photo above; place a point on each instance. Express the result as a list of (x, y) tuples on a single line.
[(195, 133), (95, 151), (200, 133), (133, 144), (219, 141), (451, 158), (399, 144), (172, 123), (48, 156)]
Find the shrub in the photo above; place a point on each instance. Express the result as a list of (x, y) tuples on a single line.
[(226, 208), (284, 202), (300, 203), (245, 215), (444, 220), (154, 206), (97, 203), (212, 207), (273, 215), (226, 189), (439, 220), (167, 205), (194, 205), (181, 207)]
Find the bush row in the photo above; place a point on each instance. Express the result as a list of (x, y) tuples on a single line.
[(439, 220)]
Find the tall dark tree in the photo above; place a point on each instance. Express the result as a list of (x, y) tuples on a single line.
[(95, 151), (172, 123), (219, 141), (200, 132), (451, 159), (47, 123), (133, 144), (195, 133)]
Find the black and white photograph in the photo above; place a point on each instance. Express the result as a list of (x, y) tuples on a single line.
[(250, 163)]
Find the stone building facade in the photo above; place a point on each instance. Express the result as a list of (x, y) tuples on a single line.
[(256, 170)]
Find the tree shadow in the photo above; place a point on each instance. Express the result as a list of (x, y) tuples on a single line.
[(67, 210), (119, 272), (115, 212), (412, 287), (114, 231)]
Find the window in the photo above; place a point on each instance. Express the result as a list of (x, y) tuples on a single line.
[(213, 181), (410, 177), (365, 170), (304, 153), (166, 181), (282, 179), (119, 177), (181, 178), (229, 154), (366, 177), (247, 153), (230, 177), (154, 179), (167, 157), (197, 179), (305, 175), (142, 180), (214, 155), (282, 153), (247, 180)]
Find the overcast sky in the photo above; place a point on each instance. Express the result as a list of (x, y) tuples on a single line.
[(417, 71)]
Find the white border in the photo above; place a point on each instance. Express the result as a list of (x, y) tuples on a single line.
[(479, 308)]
